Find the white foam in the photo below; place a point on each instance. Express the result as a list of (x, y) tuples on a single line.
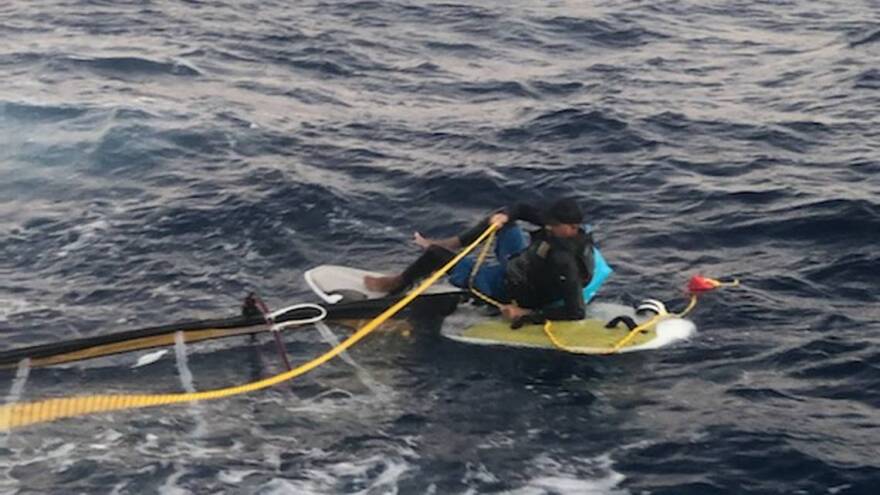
[(170, 486), (151, 440), (9, 307), (107, 440), (88, 232), (388, 480), (581, 476), (235, 476), (480, 473), (391, 469), (560, 484), (285, 487)]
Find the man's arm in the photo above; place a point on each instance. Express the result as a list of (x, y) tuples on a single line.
[(524, 211), (520, 211)]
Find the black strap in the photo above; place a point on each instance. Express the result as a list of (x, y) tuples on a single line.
[(626, 321)]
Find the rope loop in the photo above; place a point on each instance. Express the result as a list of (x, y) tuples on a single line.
[(322, 313)]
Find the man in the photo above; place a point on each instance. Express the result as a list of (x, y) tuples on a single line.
[(542, 279)]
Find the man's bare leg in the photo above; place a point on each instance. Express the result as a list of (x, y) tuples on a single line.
[(427, 263), (383, 284)]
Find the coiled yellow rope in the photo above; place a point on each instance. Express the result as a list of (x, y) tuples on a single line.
[(18, 415)]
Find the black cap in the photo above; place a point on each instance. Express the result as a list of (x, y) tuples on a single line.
[(564, 211)]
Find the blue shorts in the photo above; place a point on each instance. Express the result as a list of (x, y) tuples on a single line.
[(510, 241)]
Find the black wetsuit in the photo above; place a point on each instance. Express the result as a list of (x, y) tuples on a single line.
[(547, 277)]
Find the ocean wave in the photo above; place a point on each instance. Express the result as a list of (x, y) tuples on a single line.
[(871, 38), (568, 123), (869, 79), (18, 113), (610, 32), (128, 67)]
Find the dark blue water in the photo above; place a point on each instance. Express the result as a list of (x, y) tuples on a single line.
[(159, 159)]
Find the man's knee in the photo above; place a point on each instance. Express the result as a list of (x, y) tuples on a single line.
[(511, 240), (439, 254)]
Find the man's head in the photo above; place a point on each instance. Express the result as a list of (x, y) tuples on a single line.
[(564, 218)]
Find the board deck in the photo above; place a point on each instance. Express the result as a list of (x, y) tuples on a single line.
[(335, 283), (587, 336)]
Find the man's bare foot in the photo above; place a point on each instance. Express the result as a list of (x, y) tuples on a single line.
[(422, 241), (451, 243), (384, 284)]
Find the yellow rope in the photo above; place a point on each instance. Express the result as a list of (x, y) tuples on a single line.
[(556, 342), (18, 415)]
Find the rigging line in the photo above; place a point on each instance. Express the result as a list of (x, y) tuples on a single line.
[(365, 377), (18, 383)]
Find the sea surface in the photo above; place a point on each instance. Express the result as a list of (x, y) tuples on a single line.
[(159, 159)]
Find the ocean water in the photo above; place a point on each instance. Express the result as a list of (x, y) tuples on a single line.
[(161, 158)]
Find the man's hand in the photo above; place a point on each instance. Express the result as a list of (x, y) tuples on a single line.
[(512, 311), (499, 218)]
